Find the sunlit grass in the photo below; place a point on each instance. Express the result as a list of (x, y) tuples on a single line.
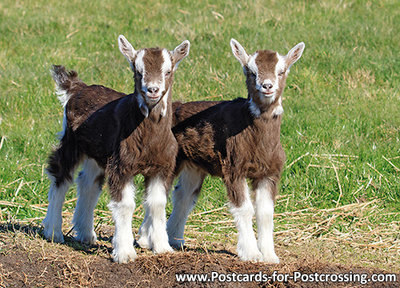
[(341, 125)]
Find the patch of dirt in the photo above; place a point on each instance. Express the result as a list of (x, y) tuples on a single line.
[(27, 260)]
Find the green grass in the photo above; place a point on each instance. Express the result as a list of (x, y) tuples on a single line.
[(342, 97)]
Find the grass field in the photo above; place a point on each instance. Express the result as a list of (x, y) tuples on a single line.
[(340, 130)]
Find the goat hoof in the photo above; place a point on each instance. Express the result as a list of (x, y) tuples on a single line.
[(143, 242), (124, 255), (254, 256), (163, 249), (53, 236), (177, 244), (270, 258), (88, 239)]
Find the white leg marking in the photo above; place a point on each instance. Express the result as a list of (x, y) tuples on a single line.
[(247, 244), (184, 198), (265, 221), (144, 241), (53, 221), (156, 200), (89, 190), (122, 212)]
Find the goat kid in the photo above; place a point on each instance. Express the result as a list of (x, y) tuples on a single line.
[(127, 136), (258, 105), (236, 140)]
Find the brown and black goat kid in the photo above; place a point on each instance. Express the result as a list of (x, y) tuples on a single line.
[(128, 136), (236, 140)]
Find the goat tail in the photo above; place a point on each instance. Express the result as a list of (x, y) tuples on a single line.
[(64, 159), (65, 81)]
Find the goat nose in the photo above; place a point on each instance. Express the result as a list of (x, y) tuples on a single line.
[(267, 86), (152, 90)]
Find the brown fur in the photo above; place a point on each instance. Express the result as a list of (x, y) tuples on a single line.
[(266, 61), (109, 127), (153, 68), (221, 137), (125, 135), (225, 140), (85, 100)]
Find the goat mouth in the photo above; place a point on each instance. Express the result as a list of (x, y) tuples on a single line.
[(268, 94), (151, 97)]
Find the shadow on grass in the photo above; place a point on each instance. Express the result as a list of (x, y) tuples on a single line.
[(202, 250), (34, 230)]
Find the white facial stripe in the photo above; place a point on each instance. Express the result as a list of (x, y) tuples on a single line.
[(254, 68), (252, 64), (280, 67), (166, 67), (139, 64)]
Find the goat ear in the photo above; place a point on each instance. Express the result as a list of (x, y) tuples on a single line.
[(126, 48), (239, 52), (294, 54), (180, 52)]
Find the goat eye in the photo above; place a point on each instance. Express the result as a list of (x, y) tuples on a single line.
[(168, 73), (280, 74), (252, 74)]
